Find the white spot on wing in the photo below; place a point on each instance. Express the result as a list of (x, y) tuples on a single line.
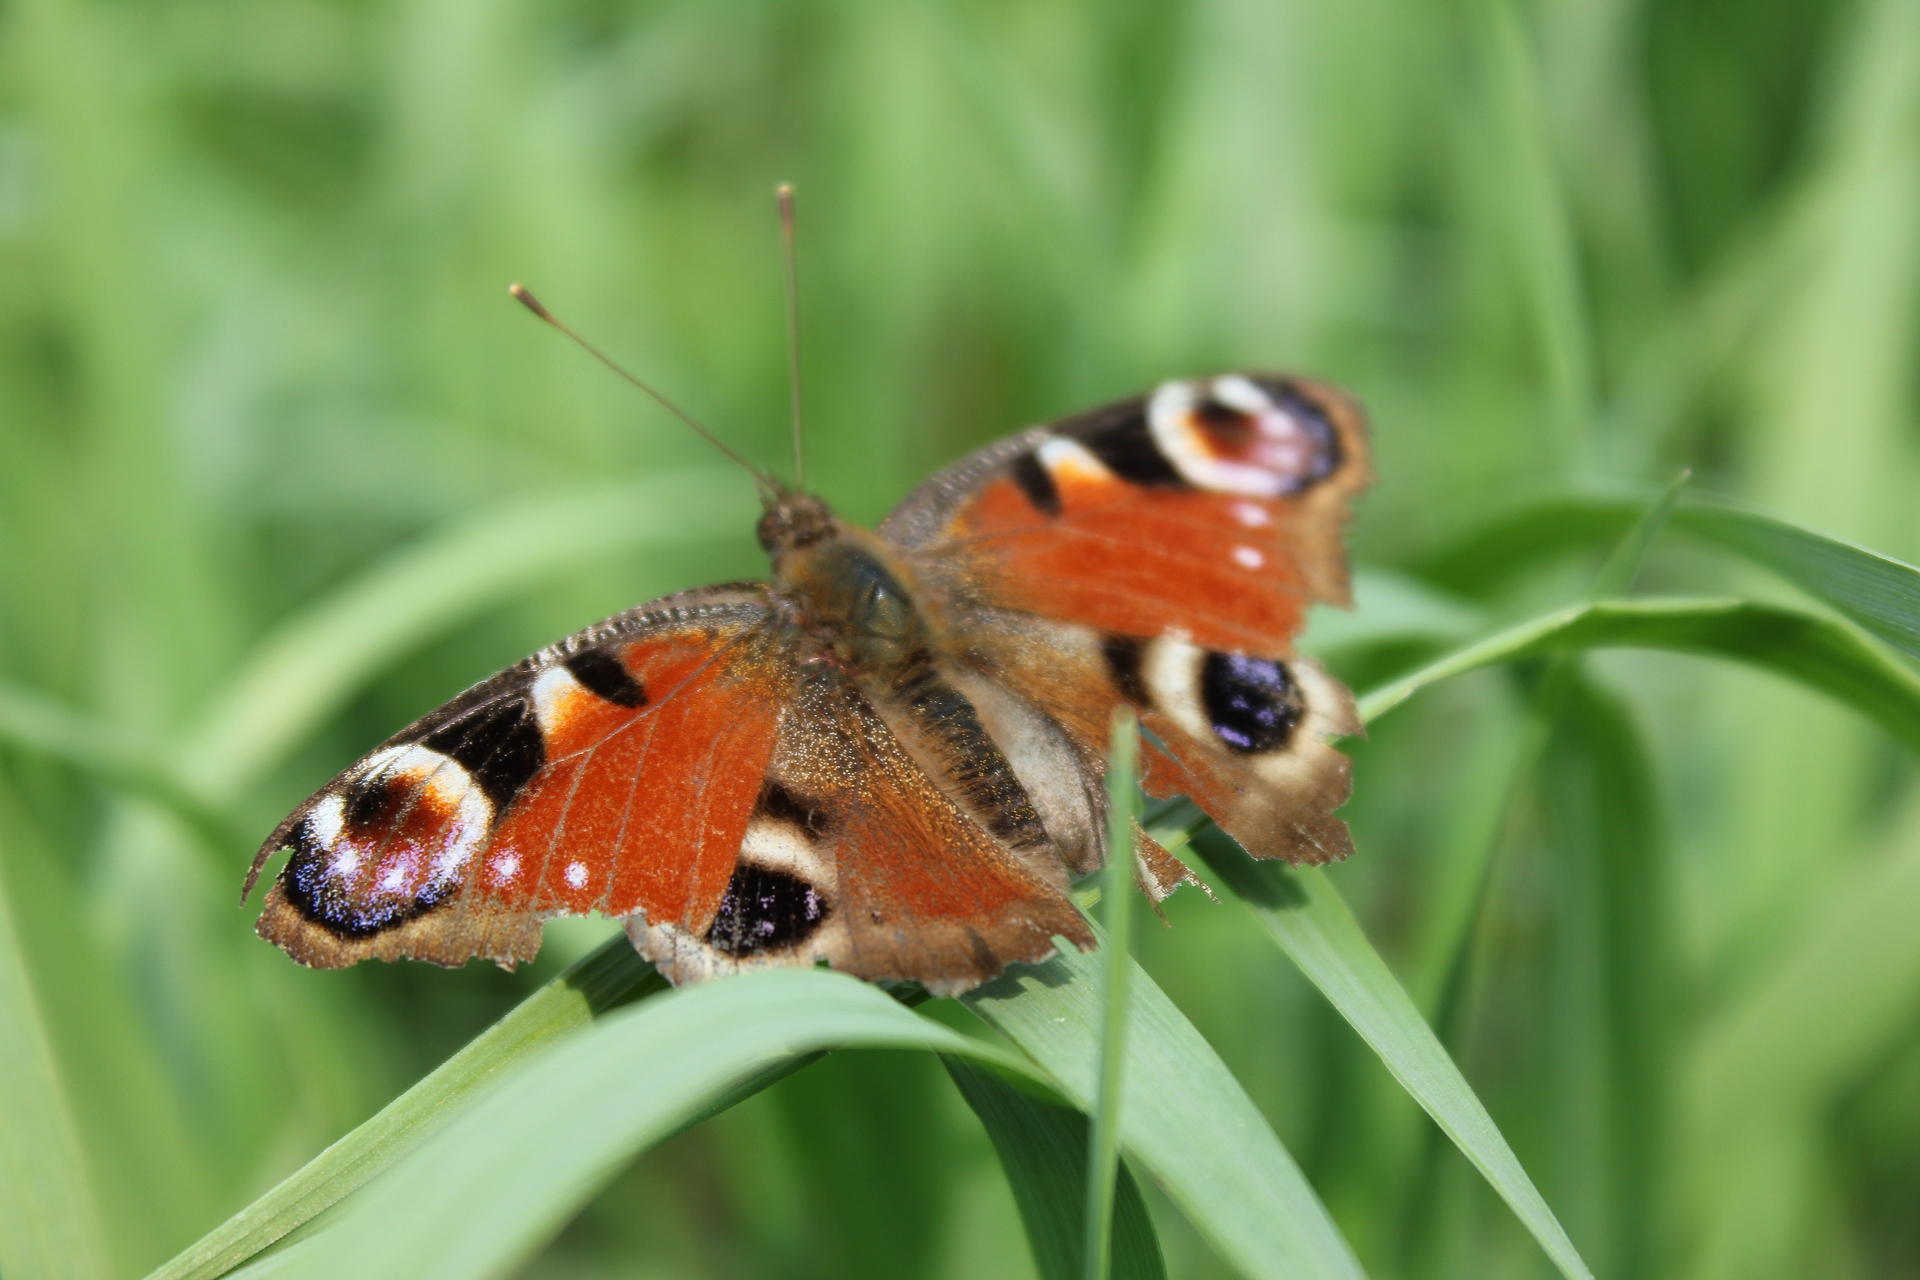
[(394, 878), (553, 691), (506, 865), (1070, 462), (1251, 514), (326, 819), (577, 875), (1248, 558)]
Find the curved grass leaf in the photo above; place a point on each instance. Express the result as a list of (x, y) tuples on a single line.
[(1878, 592), (1303, 912), (317, 659), (1197, 1131), (477, 1198), (1307, 917), (608, 978), (1043, 1149), (1814, 651), (49, 1224), (1184, 1118)]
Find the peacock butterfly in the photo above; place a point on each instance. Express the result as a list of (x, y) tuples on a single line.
[(889, 757)]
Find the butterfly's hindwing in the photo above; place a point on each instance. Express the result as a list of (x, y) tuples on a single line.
[(857, 858)]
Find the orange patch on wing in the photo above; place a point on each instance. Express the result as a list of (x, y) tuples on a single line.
[(643, 808), (1142, 562)]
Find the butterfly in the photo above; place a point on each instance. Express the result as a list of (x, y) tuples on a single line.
[(889, 757)]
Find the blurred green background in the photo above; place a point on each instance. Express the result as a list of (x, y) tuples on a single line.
[(257, 366)]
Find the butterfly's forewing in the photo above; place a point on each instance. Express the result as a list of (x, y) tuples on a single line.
[(1163, 551), (614, 771)]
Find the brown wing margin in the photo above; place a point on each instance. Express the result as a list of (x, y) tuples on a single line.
[(601, 773)]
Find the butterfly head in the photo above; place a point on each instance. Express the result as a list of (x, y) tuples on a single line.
[(794, 521)]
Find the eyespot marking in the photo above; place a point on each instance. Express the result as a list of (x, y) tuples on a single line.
[(765, 910), (1233, 435), (388, 847), (1252, 704)]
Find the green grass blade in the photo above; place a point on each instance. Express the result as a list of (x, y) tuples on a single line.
[(1613, 987), (316, 660), (479, 1197), (1305, 914), (1486, 559), (1185, 1119), (1878, 592), (50, 1225), (1815, 651), (611, 976), (1043, 1148), (1616, 576), (1540, 232), (1103, 1138), (109, 757)]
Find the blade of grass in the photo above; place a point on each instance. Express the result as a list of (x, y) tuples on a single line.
[(480, 1196), (1541, 234), (1303, 912), (50, 1225), (1880, 593), (612, 976), (1604, 823), (44, 727), (1185, 1119), (1043, 1148), (315, 661), (1103, 1138), (1818, 652)]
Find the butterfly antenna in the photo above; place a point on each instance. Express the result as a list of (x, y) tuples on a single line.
[(526, 299), (783, 194)]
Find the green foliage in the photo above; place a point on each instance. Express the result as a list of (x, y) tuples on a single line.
[(1631, 920)]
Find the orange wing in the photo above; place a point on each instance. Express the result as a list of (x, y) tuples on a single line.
[(615, 771), (1163, 551), (1211, 509)]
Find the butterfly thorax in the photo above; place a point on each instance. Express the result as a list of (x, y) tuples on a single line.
[(843, 589)]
